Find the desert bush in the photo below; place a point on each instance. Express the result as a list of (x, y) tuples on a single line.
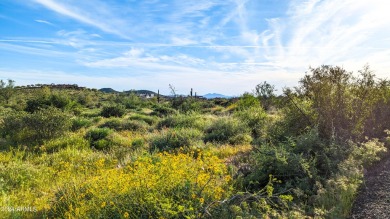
[(85, 99), (49, 99), (132, 101), (164, 185), (72, 140), (41, 125), (35, 104), (281, 162), (247, 100), (187, 105), (342, 187), (98, 138), (113, 111), (151, 120), (298, 115), (344, 104), (47, 123), (60, 100), (191, 120), (131, 125), (115, 124), (162, 110), (228, 130), (266, 94), (303, 162), (369, 152), (255, 118), (78, 123), (175, 138), (7, 90), (135, 125), (17, 175), (138, 143), (4, 111), (91, 113)]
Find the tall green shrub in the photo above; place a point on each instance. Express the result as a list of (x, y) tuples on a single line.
[(26, 128), (228, 130), (113, 111), (175, 138)]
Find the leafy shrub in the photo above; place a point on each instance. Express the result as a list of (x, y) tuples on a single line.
[(281, 161), (132, 101), (115, 124), (189, 105), (36, 104), (184, 121), (255, 118), (151, 120), (298, 116), (78, 123), (228, 130), (113, 111), (369, 152), (58, 100), (161, 186), (48, 123), (41, 125), (84, 99), (5, 111), (98, 138), (72, 141), (175, 138), (346, 106), (134, 125), (138, 143), (16, 175), (247, 101), (161, 110)]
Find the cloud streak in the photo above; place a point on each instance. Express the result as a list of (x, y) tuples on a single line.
[(237, 43), (329, 32), (82, 16), (44, 22)]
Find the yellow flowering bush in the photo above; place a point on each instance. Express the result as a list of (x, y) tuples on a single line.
[(163, 185)]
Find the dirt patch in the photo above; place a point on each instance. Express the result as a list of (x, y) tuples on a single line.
[(373, 200)]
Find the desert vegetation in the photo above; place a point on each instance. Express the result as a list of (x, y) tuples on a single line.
[(81, 153)]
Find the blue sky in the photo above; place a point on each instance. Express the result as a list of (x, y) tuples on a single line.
[(224, 46)]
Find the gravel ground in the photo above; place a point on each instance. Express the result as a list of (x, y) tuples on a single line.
[(373, 200)]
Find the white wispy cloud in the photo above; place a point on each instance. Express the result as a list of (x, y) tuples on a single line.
[(223, 45), (31, 50), (107, 23), (44, 22), (329, 32)]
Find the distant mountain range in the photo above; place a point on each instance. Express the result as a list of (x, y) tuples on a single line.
[(215, 95), (110, 90), (148, 92)]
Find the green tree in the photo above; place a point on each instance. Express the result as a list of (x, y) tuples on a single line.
[(265, 92), (246, 101), (344, 103), (7, 89)]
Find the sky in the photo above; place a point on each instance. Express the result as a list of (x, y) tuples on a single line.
[(222, 46)]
